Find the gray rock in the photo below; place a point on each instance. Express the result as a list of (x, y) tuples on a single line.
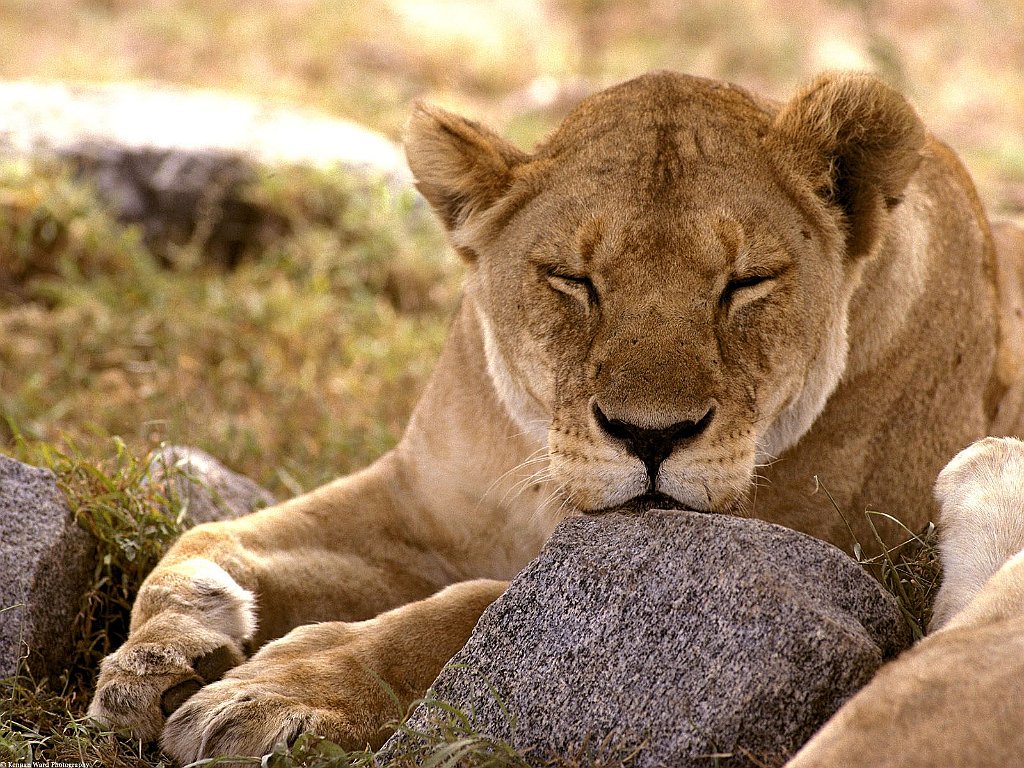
[(46, 564), (206, 488), (180, 196), (708, 640)]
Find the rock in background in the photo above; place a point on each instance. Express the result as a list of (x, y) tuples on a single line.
[(705, 640), (178, 162), (205, 488), (47, 562)]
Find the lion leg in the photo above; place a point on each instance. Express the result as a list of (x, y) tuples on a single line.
[(347, 551), (343, 681), (980, 493)]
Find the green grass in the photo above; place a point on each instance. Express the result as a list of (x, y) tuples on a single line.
[(132, 523)]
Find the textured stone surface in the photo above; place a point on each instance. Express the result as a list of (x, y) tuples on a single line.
[(46, 563), (692, 634), (208, 489)]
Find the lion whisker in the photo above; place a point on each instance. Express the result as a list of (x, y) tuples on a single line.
[(538, 456), (541, 476)]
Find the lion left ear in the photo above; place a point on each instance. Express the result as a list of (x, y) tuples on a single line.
[(461, 167), (858, 142)]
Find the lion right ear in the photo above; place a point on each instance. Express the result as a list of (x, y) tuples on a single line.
[(461, 167), (858, 142)]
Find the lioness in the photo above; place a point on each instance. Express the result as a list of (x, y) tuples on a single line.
[(688, 296)]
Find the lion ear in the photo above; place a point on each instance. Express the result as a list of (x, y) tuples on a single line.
[(460, 167), (858, 142)]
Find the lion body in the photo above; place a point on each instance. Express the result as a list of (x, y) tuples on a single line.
[(687, 296)]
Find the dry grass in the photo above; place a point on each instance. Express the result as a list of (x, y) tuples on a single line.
[(297, 365)]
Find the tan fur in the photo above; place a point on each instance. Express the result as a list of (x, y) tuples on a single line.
[(1009, 239), (856, 351), (954, 699)]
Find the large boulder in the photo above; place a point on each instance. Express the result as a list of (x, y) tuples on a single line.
[(46, 564), (699, 639)]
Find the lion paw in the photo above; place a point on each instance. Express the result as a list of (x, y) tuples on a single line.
[(244, 718), (150, 677), (980, 493)]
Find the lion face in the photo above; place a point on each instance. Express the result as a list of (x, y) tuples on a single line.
[(659, 341), (662, 287)]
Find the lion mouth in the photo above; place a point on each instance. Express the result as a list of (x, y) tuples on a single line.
[(640, 504)]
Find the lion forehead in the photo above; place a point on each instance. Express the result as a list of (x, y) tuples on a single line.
[(669, 121)]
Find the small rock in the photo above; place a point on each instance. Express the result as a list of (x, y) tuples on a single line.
[(206, 488), (46, 564), (47, 561), (704, 639)]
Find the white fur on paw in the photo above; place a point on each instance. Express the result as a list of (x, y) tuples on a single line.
[(199, 587), (981, 520)]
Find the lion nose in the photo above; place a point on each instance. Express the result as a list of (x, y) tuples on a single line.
[(652, 446)]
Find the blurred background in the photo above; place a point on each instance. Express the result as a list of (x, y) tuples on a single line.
[(517, 63), (300, 356)]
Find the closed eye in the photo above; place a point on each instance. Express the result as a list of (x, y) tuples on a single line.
[(747, 287), (579, 287), (738, 283)]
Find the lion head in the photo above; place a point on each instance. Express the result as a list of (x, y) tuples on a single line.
[(663, 284)]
